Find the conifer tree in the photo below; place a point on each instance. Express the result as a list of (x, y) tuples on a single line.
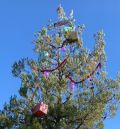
[(70, 80)]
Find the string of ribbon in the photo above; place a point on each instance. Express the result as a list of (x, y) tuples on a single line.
[(75, 82), (68, 76), (51, 70), (60, 65)]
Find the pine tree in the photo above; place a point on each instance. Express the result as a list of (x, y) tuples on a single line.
[(69, 78)]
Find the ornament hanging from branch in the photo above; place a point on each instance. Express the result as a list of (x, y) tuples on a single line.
[(40, 110), (63, 49), (67, 29), (73, 37), (71, 87), (43, 55), (46, 74)]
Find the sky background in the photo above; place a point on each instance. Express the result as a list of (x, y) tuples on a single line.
[(21, 19)]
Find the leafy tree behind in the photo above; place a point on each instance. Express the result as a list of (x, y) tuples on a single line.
[(66, 76)]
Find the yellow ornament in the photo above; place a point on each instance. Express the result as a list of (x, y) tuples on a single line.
[(73, 37)]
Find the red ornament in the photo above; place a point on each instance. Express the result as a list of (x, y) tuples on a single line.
[(40, 110)]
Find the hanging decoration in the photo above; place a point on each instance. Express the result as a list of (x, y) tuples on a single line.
[(43, 55), (62, 23), (46, 74), (60, 65), (72, 37), (40, 110), (71, 87), (63, 49), (88, 76), (67, 29), (47, 71)]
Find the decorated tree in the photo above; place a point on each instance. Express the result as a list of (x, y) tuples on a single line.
[(67, 86)]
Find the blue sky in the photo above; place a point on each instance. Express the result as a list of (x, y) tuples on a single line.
[(20, 19)]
